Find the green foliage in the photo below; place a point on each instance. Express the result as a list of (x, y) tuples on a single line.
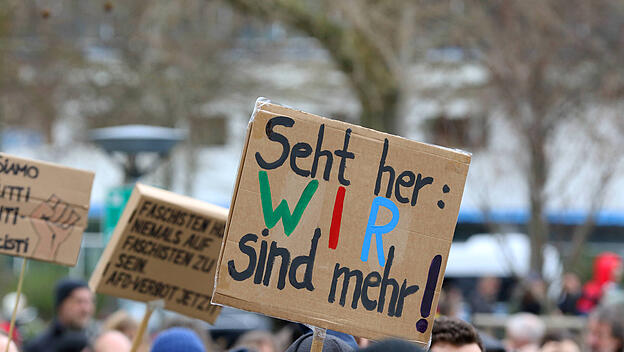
[(38, 286), (584, 267)]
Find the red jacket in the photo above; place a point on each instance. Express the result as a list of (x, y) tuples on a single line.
[(605, 265)]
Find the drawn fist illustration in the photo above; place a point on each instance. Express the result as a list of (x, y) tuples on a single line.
[(53, 220)]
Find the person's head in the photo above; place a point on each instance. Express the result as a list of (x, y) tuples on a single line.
[(260, 341), (488, 286), (4, 340), (74, 303), (393, 345), (571, 283), (605, 329), (559, 341), (121, 321), (112, 341), (331, 344), (524, 329), (454, 335), (178, 321), (177, 340)]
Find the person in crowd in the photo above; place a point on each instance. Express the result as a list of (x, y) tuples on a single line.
[(451, 302), (454, 335), (71, 341), (607, 273), (179, 321), (605, 328), (112, 341), (73, 302), (260, 341), (483, 299), (524, 332), (559, 341), (393, 345), (121, 321), (331, 344), (532, 295), (8, 304), (178, 339), (570, 293), (4, 340)]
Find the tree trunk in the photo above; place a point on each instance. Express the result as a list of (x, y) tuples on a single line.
[(538, 226), (372, 77), (382, 117)]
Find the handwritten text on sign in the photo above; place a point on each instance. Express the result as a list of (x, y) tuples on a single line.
[(43, 209), (364, 192), (165, 246)]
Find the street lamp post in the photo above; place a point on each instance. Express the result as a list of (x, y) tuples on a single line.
[(132, 140)]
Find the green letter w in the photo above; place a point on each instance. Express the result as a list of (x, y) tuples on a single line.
[(271, 217)]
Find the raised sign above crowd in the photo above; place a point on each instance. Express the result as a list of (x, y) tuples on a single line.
[(164, 247), (339, 226), (43, 209)]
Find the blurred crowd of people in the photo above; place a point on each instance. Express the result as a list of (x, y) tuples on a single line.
[(600, 300), (533, 295)]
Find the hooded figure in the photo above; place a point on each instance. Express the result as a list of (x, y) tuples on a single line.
[(607, 273)]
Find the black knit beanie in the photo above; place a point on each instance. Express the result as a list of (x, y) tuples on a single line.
[(64, 289)]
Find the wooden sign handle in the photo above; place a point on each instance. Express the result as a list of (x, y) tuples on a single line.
[(17, 299), (318, 338), (138, 338)]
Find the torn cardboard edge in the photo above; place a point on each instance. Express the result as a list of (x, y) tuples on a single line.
[(234, 194), (181, 201)]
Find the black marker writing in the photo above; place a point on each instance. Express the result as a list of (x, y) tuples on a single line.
[(19, 245), (372, 280), (8, 215), (263, 264), (16, 193), (174, 216), (405, 179), (157, 250), (195, 300), (9, 167), (141, 285), (303, 150)]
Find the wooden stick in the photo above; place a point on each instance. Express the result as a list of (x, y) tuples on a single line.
[(17, 299), (318, 339), (138, 338)]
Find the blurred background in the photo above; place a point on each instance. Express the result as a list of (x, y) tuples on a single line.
[(533, 89)]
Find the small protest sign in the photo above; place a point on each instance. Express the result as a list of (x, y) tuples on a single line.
[(165, 246), (43, 209), (339, 226)]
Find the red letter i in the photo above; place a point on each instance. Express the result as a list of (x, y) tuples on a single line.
[(334, 230)]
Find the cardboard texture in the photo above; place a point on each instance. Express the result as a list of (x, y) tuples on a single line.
[(165, 246), (43, 209), (339, 226)]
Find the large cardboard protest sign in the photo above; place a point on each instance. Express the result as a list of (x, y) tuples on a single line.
[(339, 226), (43, 209), (165, 246)]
